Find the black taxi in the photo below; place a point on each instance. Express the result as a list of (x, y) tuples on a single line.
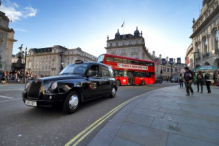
[(75, 84)]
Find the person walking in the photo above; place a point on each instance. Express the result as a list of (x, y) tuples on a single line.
[(180, 80), (188, 79), (208, 81), (200, 80)]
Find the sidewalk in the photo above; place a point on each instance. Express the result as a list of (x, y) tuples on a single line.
[(165, 117)]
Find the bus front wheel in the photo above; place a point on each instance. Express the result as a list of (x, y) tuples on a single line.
[(142, 83)]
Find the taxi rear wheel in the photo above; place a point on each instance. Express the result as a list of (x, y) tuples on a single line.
[(71, 102), (113, 93)]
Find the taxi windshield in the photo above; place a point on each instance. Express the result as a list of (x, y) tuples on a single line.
[(74, 69)]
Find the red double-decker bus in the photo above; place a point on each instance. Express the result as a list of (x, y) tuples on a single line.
[(130, 71)]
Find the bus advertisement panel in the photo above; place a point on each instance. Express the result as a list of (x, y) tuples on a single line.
[(130, 71)]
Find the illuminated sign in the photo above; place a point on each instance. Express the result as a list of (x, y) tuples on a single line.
[(132, 66), (93, 85)]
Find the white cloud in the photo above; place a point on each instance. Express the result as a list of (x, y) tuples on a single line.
[(23, 30), (15, 12), (30, 12)]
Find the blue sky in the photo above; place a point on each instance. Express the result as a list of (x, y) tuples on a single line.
[(166, 24)]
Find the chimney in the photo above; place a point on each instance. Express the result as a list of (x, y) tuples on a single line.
[(153, 53)]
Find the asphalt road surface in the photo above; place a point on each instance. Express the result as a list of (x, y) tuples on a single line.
[(26, 126)]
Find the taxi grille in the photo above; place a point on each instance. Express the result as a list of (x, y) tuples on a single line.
[(34, 90)]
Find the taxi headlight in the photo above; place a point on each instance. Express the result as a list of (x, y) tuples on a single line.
[(54, 85), (27, 85)]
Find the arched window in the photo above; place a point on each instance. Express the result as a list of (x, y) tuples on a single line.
[(216, 40), (197, 47), (205, 42)]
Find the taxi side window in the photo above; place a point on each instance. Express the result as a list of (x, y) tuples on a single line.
[(111, 72), (104, 71), (95, 68)]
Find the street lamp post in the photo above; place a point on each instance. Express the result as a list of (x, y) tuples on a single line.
[(61, 64), (24, 74)]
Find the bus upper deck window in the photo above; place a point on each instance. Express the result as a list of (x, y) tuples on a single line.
[(118, 60), (109, 59), (100, 59)]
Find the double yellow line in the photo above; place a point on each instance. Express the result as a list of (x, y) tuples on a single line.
[(78, 138)]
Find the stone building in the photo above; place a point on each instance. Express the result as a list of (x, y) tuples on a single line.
[(51, 60), (205, 46), (128, 45), (6, 42), (190, 57)]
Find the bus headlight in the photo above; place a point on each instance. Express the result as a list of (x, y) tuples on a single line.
[(54, 85)]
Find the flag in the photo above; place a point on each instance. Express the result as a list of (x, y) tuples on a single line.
[(164, 61), (187, 60), (171, 61), (157, 61), (179, 60), (123, 24)]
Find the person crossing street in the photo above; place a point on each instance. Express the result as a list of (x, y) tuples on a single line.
[(188, 79)]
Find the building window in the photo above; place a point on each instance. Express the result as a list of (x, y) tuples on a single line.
[(205, 42), (123, 43), (133, 50), (216, 39), (117, 43), (197, 47), (123, 51)]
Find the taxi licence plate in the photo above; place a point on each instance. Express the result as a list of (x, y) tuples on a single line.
[(30, 103)]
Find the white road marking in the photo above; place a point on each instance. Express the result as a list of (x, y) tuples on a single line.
[(10, 100), (11, 89), (6, 97)]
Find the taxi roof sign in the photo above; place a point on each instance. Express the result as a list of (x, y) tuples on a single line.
[(78, 62)]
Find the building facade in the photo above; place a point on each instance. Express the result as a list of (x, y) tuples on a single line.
[(51, 60), (6, 43), (205, 46), (165, 69), (128, 45)]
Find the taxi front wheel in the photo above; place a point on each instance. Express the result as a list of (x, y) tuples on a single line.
[(113, 93), (71, 102)]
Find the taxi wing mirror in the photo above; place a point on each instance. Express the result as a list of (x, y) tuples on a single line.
[(92, 73)]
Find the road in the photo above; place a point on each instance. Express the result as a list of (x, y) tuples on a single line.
[(24, 125)]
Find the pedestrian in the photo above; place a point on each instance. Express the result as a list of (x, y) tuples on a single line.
[(3, 79), (188, 79), (180, 80), (215, 76), (200, 80), (208, 81)]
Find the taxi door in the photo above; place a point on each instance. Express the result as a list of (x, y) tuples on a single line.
[(106, 86), (94, 88)]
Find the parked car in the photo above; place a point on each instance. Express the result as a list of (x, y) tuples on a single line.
[(75, 84), (174, 79)]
